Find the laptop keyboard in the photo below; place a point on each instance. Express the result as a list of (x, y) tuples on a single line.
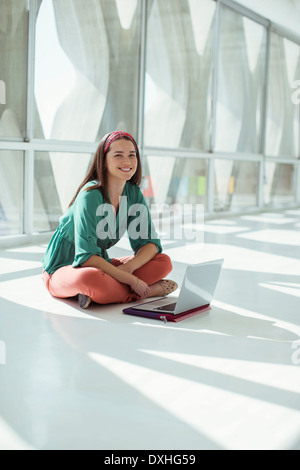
[(168, 307)]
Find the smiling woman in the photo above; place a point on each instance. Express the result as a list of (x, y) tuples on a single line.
[(76, 261)]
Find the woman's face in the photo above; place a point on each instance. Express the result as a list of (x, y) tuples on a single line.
[(121, 160)]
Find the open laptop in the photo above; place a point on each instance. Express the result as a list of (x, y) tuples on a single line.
[(198, 287)]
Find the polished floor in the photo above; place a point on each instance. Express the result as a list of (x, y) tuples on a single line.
[(99, 379)]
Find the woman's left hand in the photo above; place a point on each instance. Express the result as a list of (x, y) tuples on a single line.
[(141, 288)]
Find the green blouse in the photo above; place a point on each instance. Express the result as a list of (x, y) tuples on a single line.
[(91, 227)]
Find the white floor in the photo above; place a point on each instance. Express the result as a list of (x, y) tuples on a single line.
[(99, 379)]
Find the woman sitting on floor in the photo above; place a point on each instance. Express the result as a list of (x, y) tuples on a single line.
[(107, 203)]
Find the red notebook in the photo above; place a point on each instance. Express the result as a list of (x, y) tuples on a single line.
[(165, 317)]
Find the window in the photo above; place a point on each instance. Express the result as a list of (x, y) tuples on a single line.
[(241, 78), (171, 180), (283, 115), (210, 89), (55, 185), (236, 185), (13, 69), (178, 91), (280, 184), (11, 194), (86, 69)]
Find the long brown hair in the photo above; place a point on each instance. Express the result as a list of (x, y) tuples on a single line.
[(97, 170)]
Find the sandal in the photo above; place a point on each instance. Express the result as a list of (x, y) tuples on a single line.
[(167, 286)]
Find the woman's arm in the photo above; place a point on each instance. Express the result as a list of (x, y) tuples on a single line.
[(145, 254)]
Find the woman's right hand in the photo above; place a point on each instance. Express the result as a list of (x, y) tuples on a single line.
[(140, 287)]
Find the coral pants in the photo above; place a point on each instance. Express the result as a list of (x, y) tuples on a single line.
[(99, 286)]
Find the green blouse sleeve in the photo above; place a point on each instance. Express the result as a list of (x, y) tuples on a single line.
[(141, 230), (85, 226)]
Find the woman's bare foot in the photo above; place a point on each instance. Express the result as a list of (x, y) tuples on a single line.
[(162, 288)]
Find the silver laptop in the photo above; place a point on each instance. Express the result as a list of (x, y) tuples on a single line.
[(198, 287)]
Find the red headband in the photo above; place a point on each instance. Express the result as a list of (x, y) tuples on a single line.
[(115, 136)]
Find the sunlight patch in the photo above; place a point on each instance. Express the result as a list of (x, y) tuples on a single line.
[(288, 288)]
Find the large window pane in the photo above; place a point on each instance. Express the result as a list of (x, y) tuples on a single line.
[(241, 77), (11, 192), (178, 73), (171, 180), (283, 117), (280, 184), (55, 185), (13, 68), (236, 185), (175, 189), (87, 64)]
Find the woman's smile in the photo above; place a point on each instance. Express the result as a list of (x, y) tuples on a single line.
[(126, 169)]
